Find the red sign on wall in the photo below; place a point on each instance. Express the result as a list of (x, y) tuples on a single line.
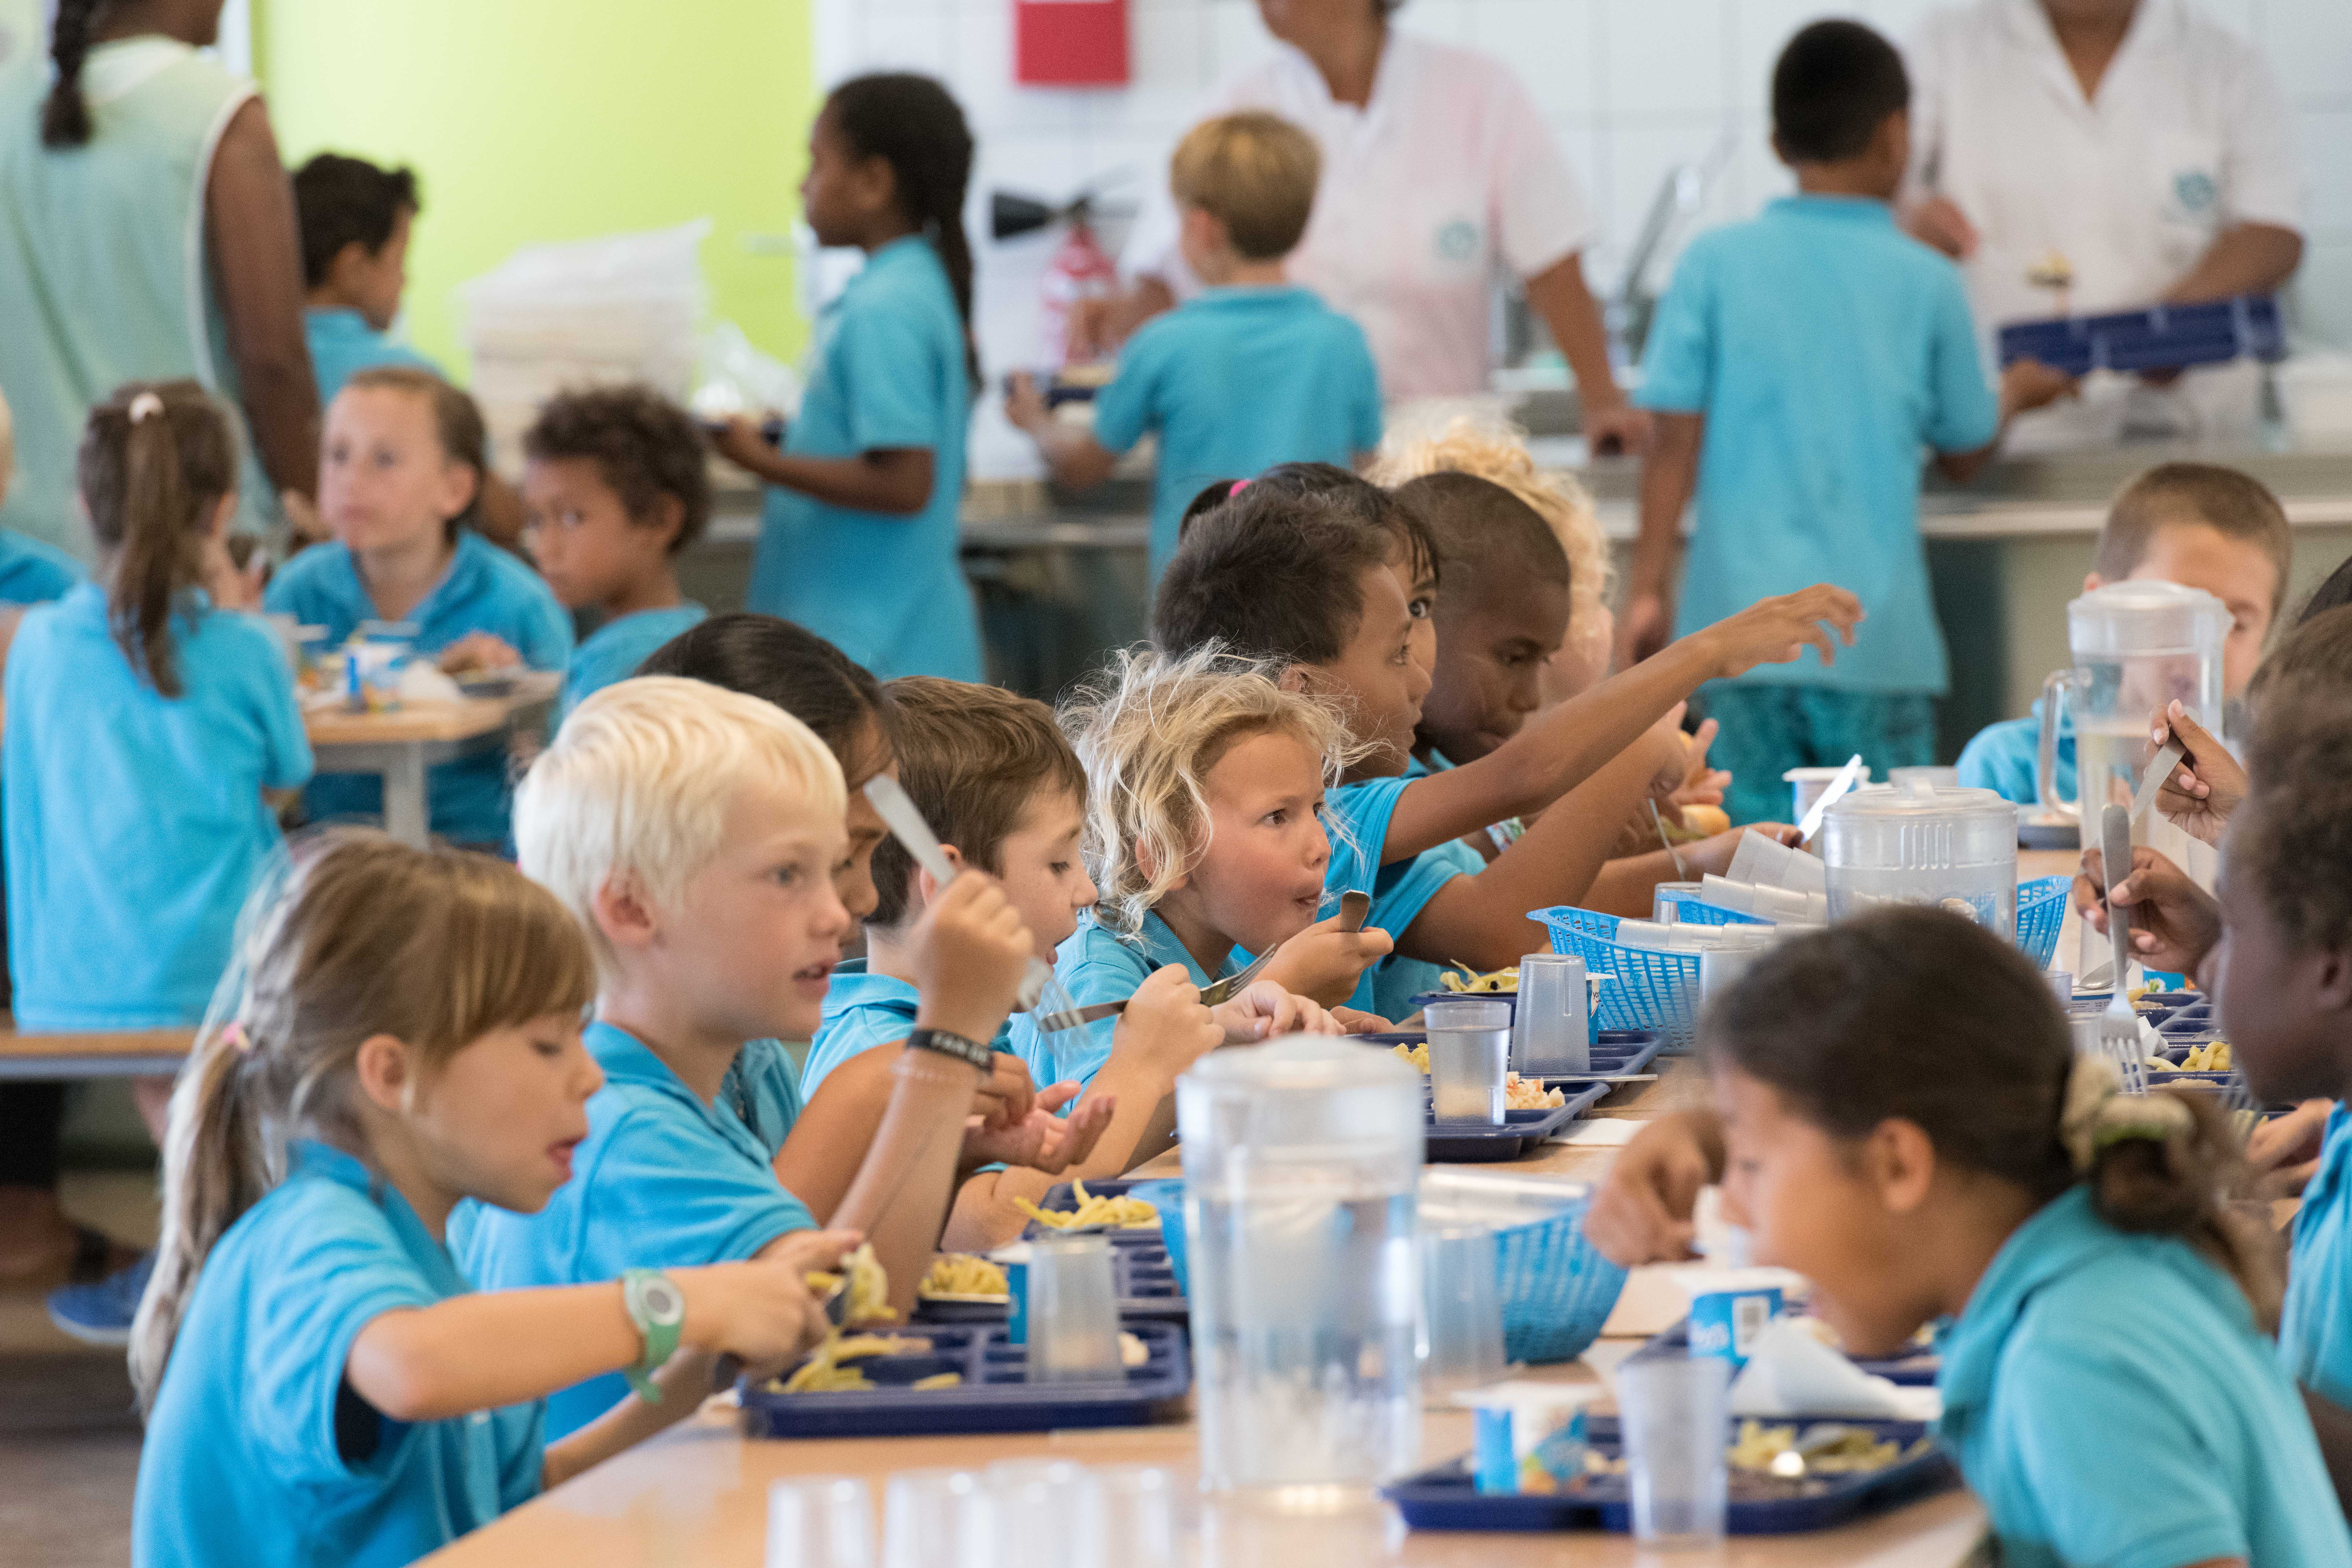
[(1070, 43)]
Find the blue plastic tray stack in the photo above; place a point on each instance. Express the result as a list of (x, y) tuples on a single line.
[(2162, 337)]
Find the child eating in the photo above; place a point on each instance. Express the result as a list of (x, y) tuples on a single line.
[(1251, 371), (319, 1381), (614, 488), (399, 481)]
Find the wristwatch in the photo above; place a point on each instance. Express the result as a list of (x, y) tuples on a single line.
[(658, 1307), (972, 1053)]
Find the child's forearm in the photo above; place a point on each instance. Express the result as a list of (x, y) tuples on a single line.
[(829, 1139), (901, 1194), (684, 1381), (895, 480), (1078, 460), (1629, 884), (482, 1350)]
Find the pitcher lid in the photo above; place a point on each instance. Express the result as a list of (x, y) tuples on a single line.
[(2146, 617), (1303, 1062)]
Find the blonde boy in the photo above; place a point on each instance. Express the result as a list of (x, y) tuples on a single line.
[(1251, 371), (694, 832)]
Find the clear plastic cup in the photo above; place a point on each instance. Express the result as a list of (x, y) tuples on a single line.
[(1462, 1312), (1072, 1310), (1039, 1513), (1673, 1412), (1469, 1054), (1551, 1030), (935, 1519), (820, 1522), (1135, 1514)]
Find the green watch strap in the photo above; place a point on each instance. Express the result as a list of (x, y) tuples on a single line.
[(658, 1307)]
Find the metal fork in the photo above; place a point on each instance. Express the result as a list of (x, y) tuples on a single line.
[(2119, 1025)]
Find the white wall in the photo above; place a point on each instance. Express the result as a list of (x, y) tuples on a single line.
[(1632, 88)]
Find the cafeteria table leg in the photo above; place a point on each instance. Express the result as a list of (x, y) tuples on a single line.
[(407, 809)]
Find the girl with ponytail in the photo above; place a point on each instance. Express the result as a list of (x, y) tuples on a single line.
[(402, 1033), (1901, 1118), (860, 540)]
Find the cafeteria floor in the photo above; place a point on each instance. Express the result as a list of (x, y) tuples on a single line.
[(68, 1440)]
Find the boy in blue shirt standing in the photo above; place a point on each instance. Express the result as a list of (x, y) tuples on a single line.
[(354, 219), (1254, 372), (1799, 364)]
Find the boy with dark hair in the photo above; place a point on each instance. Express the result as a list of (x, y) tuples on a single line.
[(614, 488), (1798, 365), (1245, 185), (1288, 572), (2196, 524), (355, 219)]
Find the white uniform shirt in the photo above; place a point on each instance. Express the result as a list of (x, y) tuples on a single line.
[(2188, 137), (1447, 174)]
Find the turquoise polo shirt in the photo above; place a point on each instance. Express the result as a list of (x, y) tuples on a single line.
[(614, 651), (664, 1181), (863, 1010), (484, 589), (1356, 815), (2002, 757), (136, 826), (33, 572), (1098, 965), (1400, 893), (1300, 372), (763, 1089), (343, 343), (889, 371), (2091, 1439), (258, 1455), (1828, 352), (2315, 1328)]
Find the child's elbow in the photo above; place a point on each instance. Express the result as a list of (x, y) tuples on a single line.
[(390, 1368)]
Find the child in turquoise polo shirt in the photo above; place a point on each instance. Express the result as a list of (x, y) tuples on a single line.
[(1800, 364), (1254, 370), (2196, 524), (615, 487), (355, 219), (400, 481)]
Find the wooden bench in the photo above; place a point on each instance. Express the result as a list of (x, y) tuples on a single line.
[(126, 1053)]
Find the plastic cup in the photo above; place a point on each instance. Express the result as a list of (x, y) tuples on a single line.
[(1137, 1525), (1072, 1310), (1469, 1054), (1807, 783), (1039, 1512), (820, 1522), (1666, 900), (2062, 985), (1551, 1031), (1673, 1412), (934, 1518), (1462, 1312)]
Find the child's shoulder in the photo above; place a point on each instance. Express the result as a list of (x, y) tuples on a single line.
[(312, 575), (33, 571), (505, 572)]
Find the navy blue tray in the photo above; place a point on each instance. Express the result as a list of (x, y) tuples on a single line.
[(994, 1396), (1616, 1053), (1522, 1133), (2162, 337), (1064, 1199), (1446, 1498), (1140, 1271), (1507, 998)]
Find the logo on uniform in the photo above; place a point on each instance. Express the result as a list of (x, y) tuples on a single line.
[(2194, 189), (1457, 241)]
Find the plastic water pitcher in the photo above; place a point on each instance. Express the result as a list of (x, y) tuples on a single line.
[(2137, 646), (1917, 844), (1301, 1161)]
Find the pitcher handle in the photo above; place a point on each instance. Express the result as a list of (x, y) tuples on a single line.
[(2045, 753)]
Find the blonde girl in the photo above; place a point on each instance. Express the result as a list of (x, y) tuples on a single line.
[(400, 477), (321, 1382), (1204, 834)]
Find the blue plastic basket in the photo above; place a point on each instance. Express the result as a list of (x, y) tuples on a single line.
[(1650, 990), (2041, 910), (1698, 912)]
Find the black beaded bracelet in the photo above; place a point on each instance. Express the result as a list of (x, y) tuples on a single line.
[(971, 1053)]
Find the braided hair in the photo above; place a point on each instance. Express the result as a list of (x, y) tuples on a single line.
[(911, 122), (65, 115)]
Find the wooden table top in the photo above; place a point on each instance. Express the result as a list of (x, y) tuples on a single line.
[(429, 722)]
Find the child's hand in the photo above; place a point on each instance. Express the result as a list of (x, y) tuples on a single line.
[(2284, 1155), (1669, 754), (969, 953), (1166, 1023), (1323, 963), (1647, 626), (1701, 786), (1776, 630), (229, 585), (741, 442), (1043, 1140), (2206, 787), (1265, 1010), (1007, 1096), (2174, 922), (2029, 383), (1643, 1212), (478, 650), (761, 1311), (1024, 405), (1712, 856), (1355, 1022)]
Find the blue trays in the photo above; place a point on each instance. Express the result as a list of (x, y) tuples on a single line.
[(1444, 1497), (1141, 1273), (994, 1396), (1522, 1133), (1616, 1053), (1063, 1198), (2162, 337), (1507, 998), (1650, 990)]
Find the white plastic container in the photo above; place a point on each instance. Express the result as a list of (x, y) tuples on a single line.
[(1918, 845)]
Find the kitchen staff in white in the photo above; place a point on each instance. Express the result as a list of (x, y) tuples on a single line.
[(2079, 156), (1437, 171)]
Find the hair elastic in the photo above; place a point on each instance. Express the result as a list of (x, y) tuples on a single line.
[(234, 1036), (2099, 1114), (1239, 486), (145, 406)]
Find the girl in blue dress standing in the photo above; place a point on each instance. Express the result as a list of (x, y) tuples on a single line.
[(859, 544)]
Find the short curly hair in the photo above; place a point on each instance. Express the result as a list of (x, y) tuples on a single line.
[(644, 446), (2294, 835)]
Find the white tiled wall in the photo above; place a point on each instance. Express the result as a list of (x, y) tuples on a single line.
[(1632, 88)]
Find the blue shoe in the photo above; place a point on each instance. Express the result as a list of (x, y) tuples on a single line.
[(100, 1314)]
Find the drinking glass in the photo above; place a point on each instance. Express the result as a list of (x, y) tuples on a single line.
[(1461, 1311), (1674, 1411), (1469, 1053), (935, 1519), (820, 1522), (1072, 1310)]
